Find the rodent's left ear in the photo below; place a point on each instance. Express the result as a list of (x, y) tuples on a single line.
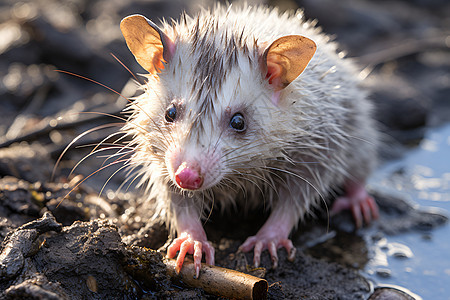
[(286, 58), (149, 45)]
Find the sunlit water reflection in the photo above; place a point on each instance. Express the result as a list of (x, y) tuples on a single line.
[(419, 261)]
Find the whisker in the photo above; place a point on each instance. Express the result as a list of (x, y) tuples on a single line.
[(301, 178), (211, 208), (103, 114), (86, 178), (75, 140), (110, 177), (94, 81), (123, 65), (93, 153), (106, 87)]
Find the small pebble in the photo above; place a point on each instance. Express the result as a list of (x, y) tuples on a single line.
[(391, 293), (384, 273)]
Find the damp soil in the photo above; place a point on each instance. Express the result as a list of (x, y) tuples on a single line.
[(103, 258), (65, 240)]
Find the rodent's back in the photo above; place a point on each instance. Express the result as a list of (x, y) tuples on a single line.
[(325, 111)]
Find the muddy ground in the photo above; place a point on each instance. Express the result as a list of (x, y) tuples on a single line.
[(90, 246)]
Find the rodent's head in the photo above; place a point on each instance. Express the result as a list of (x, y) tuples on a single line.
[(209, 103)]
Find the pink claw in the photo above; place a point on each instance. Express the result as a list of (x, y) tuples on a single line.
[(185, 244), (260, 243), (361, 204), (272, 236)]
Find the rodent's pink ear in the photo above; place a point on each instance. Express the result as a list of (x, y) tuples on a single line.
[(286, 58), (147, 42)]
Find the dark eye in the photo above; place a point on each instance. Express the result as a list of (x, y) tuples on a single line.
[(237, 122), (171, 113)]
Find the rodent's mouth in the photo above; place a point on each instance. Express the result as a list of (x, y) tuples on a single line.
[(198, 186)]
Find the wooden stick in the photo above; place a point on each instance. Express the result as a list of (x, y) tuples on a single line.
[(219, 281)]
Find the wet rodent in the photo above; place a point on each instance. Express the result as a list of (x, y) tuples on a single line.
[(225, 111)]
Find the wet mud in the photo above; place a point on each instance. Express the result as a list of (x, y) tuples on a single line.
[(102, 258)]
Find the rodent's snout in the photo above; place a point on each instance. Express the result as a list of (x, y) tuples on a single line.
[(192, 169), (189, 177)]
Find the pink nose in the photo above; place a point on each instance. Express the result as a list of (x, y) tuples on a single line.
[(188, 178)]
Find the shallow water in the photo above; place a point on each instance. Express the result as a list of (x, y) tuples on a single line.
[(418, 261)]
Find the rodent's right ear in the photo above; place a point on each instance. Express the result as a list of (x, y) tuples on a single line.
[(149, 45)]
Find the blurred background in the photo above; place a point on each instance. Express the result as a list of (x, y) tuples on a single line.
[(401, 46)]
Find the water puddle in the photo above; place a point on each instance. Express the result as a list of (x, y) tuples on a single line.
[(418, 261)]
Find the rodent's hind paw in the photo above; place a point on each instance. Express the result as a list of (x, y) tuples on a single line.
[(361, 204), (185, 244), (260, 243)]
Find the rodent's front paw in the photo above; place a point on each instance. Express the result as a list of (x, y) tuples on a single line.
[(185, 244), (261, 242)]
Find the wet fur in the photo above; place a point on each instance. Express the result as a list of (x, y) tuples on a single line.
[(320, 135)]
